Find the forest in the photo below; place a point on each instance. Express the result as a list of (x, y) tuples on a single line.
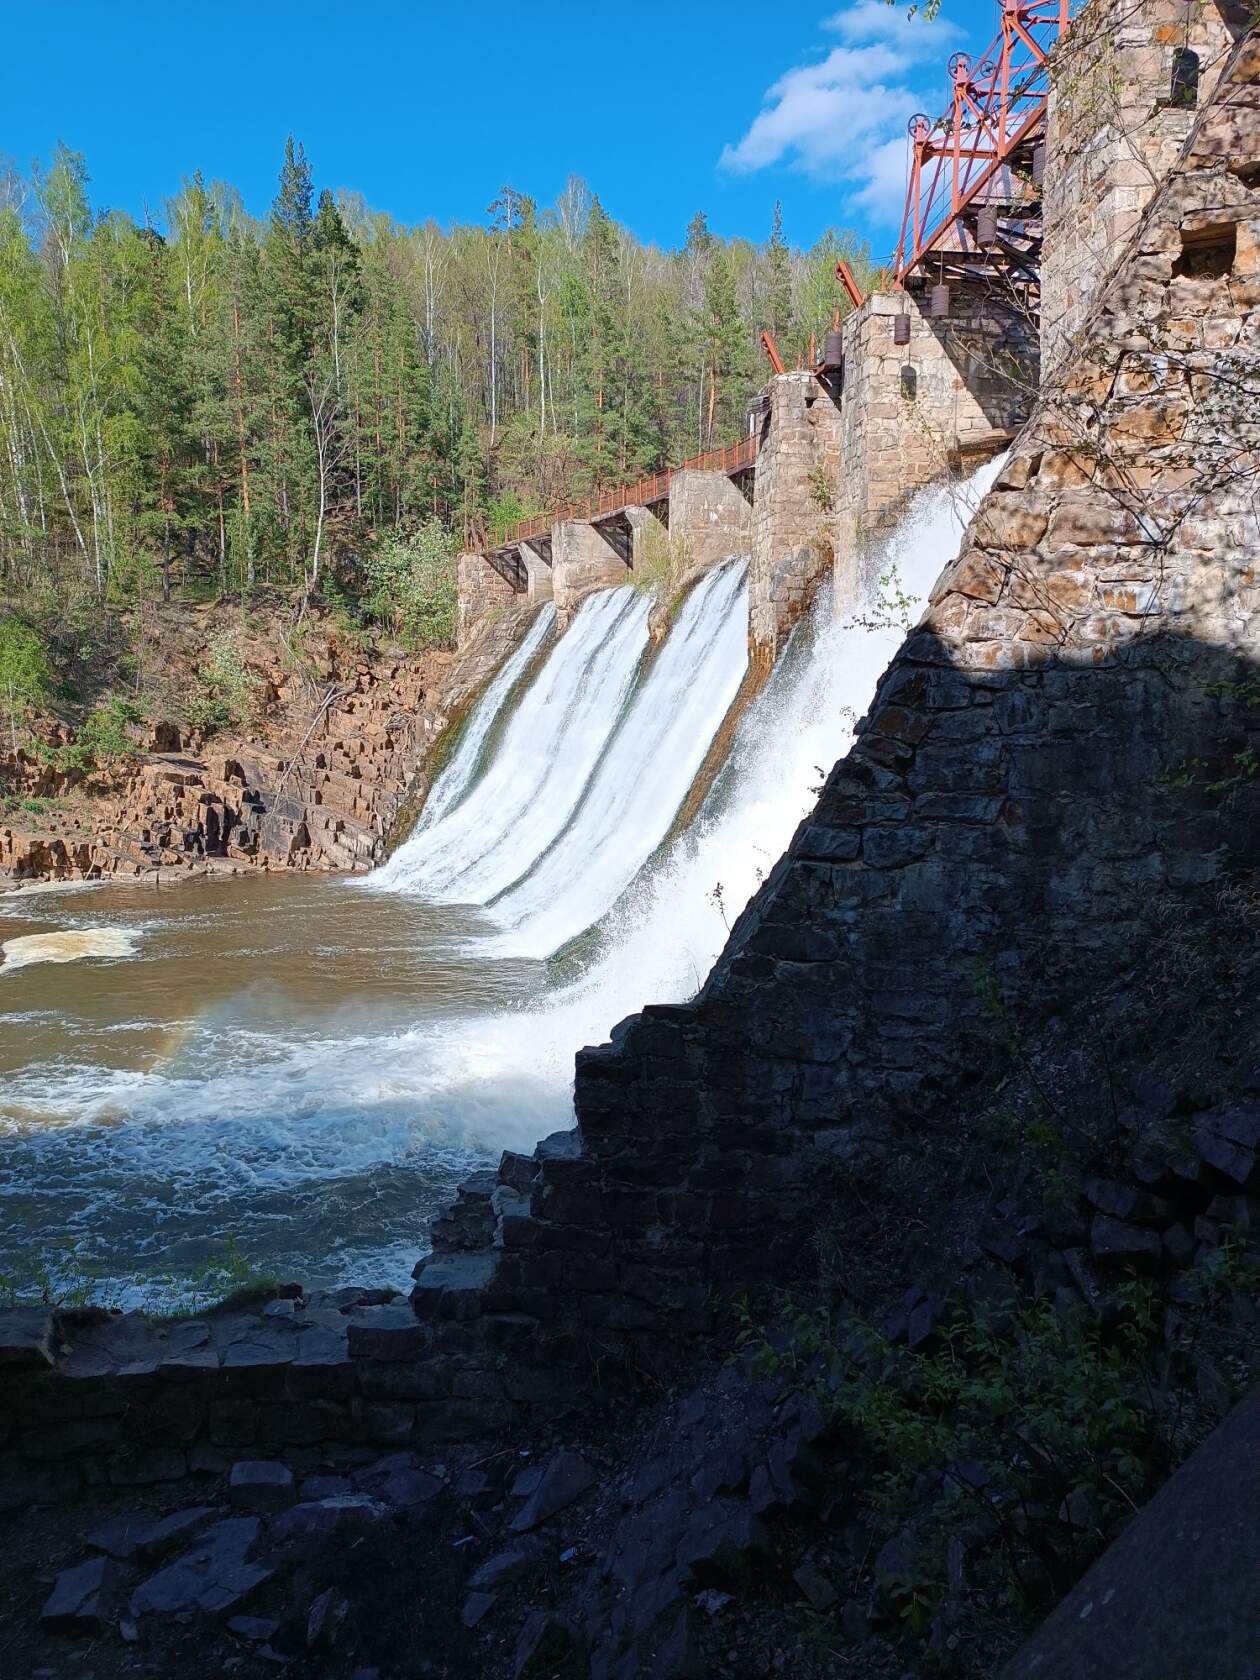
[(221, 406)]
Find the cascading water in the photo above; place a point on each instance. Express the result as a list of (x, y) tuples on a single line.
[(544, 760), (642, 779), (466, 759), (291, 1130)]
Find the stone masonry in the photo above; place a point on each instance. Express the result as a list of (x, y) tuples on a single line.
[(581, 561), (954, 396), (838, 464), (481, 590), (709, 516), (1046, 767), (1114, 133), (798, 465)]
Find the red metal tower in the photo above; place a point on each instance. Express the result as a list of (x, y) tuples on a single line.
[(973, 204)]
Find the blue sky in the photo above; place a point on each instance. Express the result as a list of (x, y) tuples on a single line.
[(428, 109)]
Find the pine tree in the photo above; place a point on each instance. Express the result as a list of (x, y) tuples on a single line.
[(780, 316)]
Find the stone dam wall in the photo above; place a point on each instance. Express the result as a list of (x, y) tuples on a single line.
[(1041, 773), (1058, 757)]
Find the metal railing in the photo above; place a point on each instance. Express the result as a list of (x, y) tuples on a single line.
[(642, 492)]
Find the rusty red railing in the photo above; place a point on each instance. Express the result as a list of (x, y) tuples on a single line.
[(997, 107), (642, 492)]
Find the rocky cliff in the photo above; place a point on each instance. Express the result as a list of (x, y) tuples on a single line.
[(330, 760)]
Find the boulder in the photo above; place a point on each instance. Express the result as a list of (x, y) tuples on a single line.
[(260, 1485), (79, 1601), (565, 1479)]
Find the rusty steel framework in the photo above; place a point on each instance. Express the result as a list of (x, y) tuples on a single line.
[(973, 200), (641, 492)]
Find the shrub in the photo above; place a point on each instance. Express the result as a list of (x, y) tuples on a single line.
[(228, 691), (413, 584), (24, 672), (103, 737)]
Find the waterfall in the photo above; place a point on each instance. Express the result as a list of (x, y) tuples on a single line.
[(466, 759), (321, 1141), (643, 777), (512, 814)]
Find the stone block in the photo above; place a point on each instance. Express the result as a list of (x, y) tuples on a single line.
[(260, 1485), (80, 1601)]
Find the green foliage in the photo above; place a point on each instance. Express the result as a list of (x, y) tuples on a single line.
[(820, 490), (227, 691), (413, 584), (25, 675), (660, 563), (1035, 1428), (212, 409), (103, 739)]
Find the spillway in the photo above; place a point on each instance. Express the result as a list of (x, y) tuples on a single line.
[(545, 757), (466, 759), (308, 1067)]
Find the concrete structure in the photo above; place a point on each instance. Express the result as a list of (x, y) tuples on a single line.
[(582, 559), (709, 516), (482, 588), (539, 585), (1113, 134)]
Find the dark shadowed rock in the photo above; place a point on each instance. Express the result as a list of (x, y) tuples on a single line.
[(566, 1478), (344, 1513), (1109, 1240), (519, 1560), (141, 1535), (477, 1607), (815, 1585), (257, 1629), (26, 1338), (720, 1540), (549, 1648), (213, 1577), (79, 1602), (260, 1485), (325, 1618)]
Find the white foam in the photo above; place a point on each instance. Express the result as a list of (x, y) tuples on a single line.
[(38, 889), (238, 1119), (70, 946), (543, 763), (643, 778), (454, 782)]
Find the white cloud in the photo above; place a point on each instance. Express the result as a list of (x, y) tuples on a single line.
[(843, 119)]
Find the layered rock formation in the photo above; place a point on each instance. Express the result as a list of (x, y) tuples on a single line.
[(319, 781)]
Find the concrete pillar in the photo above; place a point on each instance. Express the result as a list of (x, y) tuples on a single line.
[(798, 466), (581, 562), (481, 589), (709, 516), (539, 587), (646, 531), (1113, 134), (910, 415)]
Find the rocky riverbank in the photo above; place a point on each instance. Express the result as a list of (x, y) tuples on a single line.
[(333, 749)]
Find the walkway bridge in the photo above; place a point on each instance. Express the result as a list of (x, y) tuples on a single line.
[(609, 513)]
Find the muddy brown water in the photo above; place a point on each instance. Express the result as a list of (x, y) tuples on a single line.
[(285, 1066)]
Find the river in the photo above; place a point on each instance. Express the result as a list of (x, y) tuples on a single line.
[(301, 1068)]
